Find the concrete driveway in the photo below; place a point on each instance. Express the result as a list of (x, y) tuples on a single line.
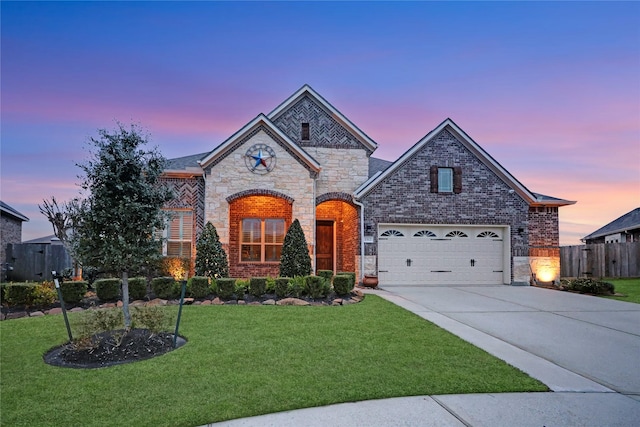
[(570, 342)]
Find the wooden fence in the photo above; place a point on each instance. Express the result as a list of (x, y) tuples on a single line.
[(35, 261), (600, 260)]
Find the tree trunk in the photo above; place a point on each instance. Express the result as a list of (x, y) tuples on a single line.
[(125, 300)]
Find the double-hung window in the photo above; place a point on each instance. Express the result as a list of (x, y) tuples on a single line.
[(261, 240), (178, 234)]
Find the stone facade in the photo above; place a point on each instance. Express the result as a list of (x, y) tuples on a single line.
[(230, 176)]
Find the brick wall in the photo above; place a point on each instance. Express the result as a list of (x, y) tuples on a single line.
[(253, 207), (404, 197), (324, 130), (544, 240)]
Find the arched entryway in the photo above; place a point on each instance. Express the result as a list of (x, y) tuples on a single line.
[(337, 237), (257, 226)]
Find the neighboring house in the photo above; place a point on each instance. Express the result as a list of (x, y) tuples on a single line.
[(444, 213), (10, 231), (622, 230)]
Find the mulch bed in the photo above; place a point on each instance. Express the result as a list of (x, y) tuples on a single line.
[(112, 348)]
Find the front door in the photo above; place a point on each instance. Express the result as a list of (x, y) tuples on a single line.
[(324, 245)]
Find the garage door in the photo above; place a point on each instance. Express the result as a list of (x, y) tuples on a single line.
[(442, 255)]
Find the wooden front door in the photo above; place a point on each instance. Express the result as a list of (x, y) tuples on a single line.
[(324, 245)]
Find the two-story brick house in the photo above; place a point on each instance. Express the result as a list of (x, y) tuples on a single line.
[(444, 213)]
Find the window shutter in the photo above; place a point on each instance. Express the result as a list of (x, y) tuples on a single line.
[(457, 180), (433, 177)]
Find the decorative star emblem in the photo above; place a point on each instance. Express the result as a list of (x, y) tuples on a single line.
[(260, 159)]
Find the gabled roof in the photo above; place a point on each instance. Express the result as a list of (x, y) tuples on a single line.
[(306, 90), (532, 198), (229, 145), (627, 222), (8, 210)]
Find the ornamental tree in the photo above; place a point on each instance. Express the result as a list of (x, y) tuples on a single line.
[(211, 259), (114, 226), (295, 259)]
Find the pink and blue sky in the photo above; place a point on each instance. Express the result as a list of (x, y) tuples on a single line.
[(550, 89)]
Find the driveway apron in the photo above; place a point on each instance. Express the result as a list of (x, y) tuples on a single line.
[(541, 331)]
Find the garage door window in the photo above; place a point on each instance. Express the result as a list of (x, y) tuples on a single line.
[(392, 233), (456, 233), (488, 234), (424, 233)]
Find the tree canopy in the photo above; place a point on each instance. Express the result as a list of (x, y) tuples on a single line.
[(114, 225)]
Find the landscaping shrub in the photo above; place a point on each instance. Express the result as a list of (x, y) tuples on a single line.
[(271, 285), (44, 294), (242, 287), (316, 286), (165, 287), (342, 284), (198, 287), (107, 289), (326, 274), (226, 287), (296, 286), (153, 318), (257, 286), (73, 292), (282, 286), (351, 274), (19, 293), (91, 322), (137, 288), (589, 286), (211, 259), (295, 259)]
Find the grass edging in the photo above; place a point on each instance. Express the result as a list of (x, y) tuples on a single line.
[(246, 361)]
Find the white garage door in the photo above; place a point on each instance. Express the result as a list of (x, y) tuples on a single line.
[(442, 255)]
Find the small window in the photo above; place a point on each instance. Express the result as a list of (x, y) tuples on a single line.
[(445, 180), (305, 132), (261, 240)]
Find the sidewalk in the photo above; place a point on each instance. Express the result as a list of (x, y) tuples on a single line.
[(496, 319)]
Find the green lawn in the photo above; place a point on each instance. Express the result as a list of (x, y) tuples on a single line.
[(630, 288), (242, 361)]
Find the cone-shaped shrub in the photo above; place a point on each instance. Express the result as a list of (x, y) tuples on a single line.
[(211, 259), (295, 259)]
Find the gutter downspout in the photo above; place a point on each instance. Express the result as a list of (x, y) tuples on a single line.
[(355, 202)]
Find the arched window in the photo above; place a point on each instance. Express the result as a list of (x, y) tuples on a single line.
[(424, 233), (456, 233), (490, 234), (392, 233)]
